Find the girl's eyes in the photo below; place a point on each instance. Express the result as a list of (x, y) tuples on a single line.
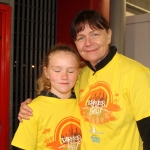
[(69, 71), (57, 70)]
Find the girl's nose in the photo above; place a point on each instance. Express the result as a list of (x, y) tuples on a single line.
[(64, 75)]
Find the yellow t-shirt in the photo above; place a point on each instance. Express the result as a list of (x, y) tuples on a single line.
[(54, 125), (111, 100)]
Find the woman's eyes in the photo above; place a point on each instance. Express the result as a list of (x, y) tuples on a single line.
[(80, 38), (94, 34)]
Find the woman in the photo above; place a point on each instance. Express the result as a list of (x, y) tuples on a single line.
[(113, 91)]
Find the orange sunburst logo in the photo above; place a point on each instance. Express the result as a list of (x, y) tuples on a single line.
[(67, 135), (97, 105)]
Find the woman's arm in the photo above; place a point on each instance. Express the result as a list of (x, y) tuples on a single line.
[(144, 129), (25, 111)]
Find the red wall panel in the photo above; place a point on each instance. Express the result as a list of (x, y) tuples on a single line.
[(67, 9), (5, 25)]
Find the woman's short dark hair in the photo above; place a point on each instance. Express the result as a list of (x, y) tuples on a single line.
[(91, 17)]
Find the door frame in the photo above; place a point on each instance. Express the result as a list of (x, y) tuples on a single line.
[(5, 36)]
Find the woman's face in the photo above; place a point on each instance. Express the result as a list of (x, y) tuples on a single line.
[(62, 71), (93, 44)]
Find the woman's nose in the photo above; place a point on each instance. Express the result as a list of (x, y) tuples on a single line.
[(88, 41)]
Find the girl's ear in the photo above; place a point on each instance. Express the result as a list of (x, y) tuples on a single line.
[(79, 71), (45, 72)]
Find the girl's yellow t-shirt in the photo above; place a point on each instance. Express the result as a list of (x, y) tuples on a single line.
[(54, 125)]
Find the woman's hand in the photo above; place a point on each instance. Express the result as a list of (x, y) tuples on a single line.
[(25, 111)]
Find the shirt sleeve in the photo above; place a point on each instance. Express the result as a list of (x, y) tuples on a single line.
[(26, 134), (144, 130), (140, 95)]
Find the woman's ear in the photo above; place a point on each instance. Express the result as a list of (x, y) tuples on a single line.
[(45, 72), (109, 36)]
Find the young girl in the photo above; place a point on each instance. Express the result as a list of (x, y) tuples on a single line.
[(55, 123)]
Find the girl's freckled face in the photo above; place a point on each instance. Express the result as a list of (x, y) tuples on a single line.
[(63, 70)]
